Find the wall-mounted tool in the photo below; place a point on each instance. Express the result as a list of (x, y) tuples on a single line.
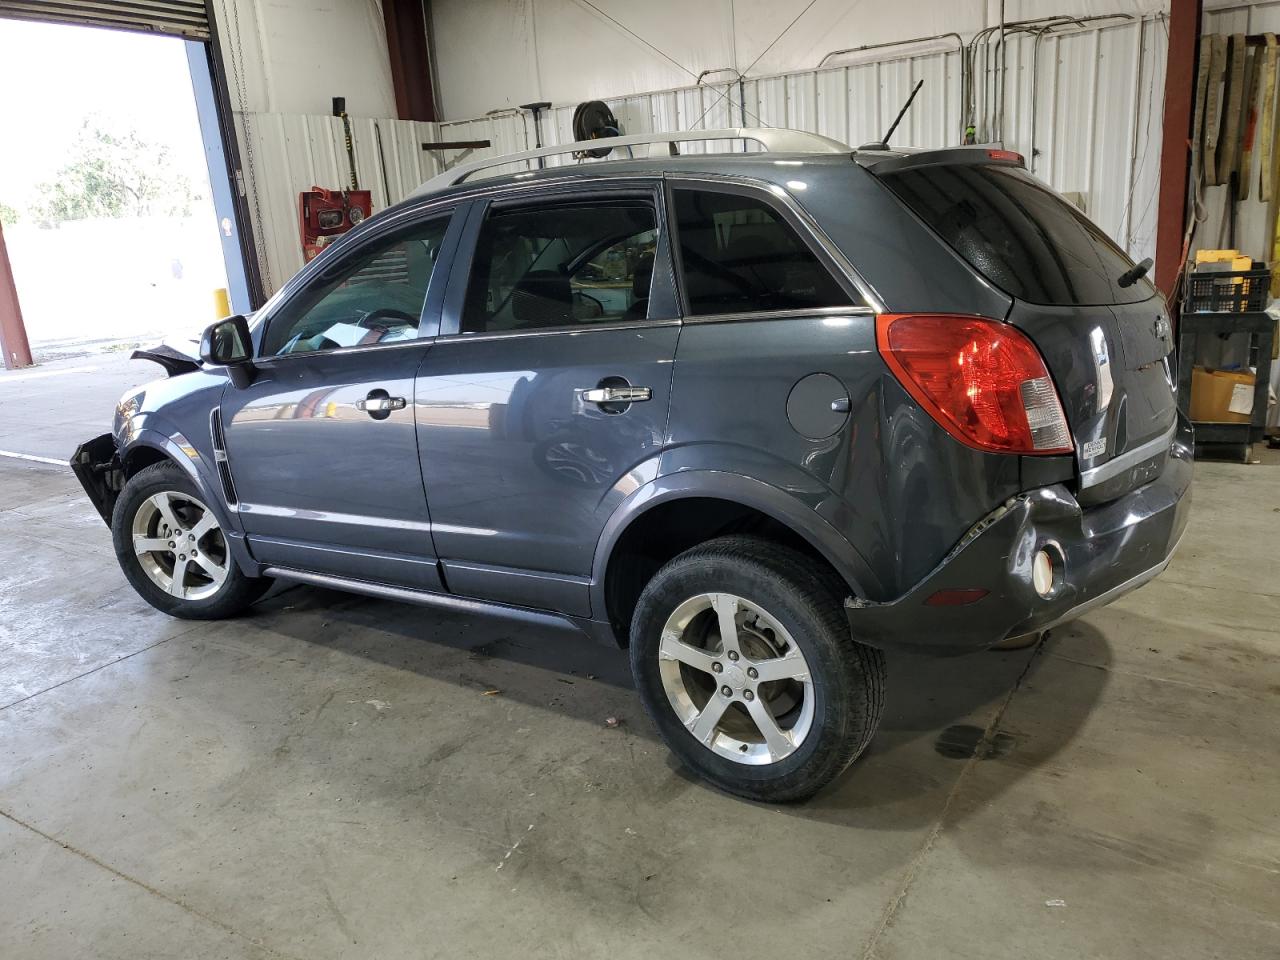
[(594, 120), (325, 214), (340, 111), (536, 109)]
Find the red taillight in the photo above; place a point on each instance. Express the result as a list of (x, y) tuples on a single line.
[(982, 380), (1006, 156)]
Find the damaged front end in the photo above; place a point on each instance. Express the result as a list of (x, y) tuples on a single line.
[(97, 466)]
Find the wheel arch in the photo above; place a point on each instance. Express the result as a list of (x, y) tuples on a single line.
[(673, 513), (148, 446)]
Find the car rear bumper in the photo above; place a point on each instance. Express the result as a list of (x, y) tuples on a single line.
[(1100, 554)]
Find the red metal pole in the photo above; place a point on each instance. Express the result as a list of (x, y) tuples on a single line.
[(1175, 152), (409, 52), (13, 333)]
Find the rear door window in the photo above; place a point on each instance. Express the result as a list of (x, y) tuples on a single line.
[(562, 264), (740, 256), (1018, 234)]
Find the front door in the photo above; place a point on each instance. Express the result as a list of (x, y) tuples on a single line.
[(321, 445), (545, 400)]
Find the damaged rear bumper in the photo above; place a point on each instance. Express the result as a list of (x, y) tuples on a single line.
[(96, 465), (1100, 554)]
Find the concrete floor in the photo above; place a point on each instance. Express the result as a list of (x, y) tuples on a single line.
[(50, 409), (328, 778)]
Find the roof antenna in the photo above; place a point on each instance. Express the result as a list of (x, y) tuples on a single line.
[(883, 142)]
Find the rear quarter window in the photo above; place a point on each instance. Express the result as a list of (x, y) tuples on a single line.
[(1019, 234)]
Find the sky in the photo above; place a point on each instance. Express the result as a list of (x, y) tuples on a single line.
[(55, 76)]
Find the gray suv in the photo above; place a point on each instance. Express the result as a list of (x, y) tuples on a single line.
[(755, 416)]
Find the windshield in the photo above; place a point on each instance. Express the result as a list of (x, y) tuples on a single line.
[(1019, 234)]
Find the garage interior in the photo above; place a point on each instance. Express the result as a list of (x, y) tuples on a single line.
[(336, 776)]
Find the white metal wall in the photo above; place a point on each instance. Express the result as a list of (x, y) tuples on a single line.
[(1096, 115), (500, 53), (287, 153), (1096, 118)]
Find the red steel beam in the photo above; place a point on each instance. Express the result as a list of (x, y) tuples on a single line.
[(409, 52), (13, 333), (1175, 153)]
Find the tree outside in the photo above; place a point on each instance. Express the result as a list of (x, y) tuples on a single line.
[(115, 240), (114, 174)]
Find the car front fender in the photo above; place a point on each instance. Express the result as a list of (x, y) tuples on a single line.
[(149, 432)]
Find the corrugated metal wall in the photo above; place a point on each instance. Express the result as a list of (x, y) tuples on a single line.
[(1084, 106), (1095, 114)]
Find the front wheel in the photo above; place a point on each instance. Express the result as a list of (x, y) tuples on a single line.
[(173, 551), (744, 661)]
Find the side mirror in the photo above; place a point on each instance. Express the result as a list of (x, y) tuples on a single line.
[(226, 342)]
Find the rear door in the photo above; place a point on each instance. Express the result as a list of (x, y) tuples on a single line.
[(321, 445), (566, 304), (1107, 345)]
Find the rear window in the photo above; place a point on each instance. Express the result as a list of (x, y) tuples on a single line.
[(740, 256), (1018, 234)]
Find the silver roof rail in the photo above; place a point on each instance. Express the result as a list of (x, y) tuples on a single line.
[(772, 139)]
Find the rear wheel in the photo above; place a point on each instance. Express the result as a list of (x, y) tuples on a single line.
[(744, 661), (173, 551)]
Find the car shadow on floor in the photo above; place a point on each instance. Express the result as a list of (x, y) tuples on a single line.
[(940, 713)]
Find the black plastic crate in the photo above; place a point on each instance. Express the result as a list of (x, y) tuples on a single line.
[(1238, 291)]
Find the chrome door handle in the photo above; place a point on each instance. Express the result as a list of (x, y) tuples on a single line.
[(381, 404), (616, 394)]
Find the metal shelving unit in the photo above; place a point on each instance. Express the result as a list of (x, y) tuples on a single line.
[(1261, 328)]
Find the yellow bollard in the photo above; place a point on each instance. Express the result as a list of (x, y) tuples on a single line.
[(221, 304)]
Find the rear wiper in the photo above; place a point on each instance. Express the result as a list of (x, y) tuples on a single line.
[(1136, 273)]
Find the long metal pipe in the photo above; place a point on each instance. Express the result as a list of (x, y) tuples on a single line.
[(891, 43), (987, 36), (742, 92), (995, 65)]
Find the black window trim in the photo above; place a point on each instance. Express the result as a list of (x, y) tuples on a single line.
[(864, 299), (513, 196), (342, 255)]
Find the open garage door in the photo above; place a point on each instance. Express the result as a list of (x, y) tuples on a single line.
[(184, 18), (191, 21)]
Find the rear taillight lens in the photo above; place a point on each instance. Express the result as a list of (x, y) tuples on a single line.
[(982, 380)]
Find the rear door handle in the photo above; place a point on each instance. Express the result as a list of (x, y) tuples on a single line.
[(616, 394), (381, 404)]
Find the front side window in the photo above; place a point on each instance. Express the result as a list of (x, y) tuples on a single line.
[(562, 264), (740, 256), (376, 297)]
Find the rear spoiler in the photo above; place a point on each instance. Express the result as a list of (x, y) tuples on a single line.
[(879, 160)]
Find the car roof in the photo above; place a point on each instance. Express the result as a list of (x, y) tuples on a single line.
[(768, 167)]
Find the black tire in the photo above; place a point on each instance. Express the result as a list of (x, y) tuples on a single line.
[(848, 678), (236, 592)]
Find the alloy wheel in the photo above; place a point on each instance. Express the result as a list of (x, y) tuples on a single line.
[(736, 679), (180, 546)]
